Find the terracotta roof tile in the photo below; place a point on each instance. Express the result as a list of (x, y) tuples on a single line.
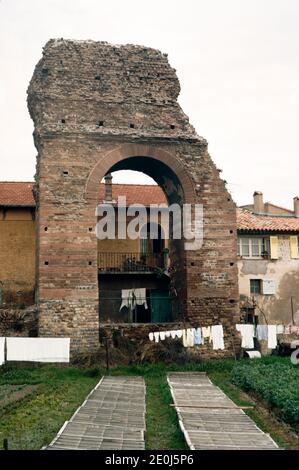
[(247, 221), (135, 193), (16, 194)]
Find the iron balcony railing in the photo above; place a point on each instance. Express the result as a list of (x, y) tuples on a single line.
[(116, 262)]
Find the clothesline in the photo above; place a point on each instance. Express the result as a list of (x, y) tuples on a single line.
[(193, 336), (214, 334)]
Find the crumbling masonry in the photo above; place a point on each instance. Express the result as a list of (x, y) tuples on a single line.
[(98, 108)]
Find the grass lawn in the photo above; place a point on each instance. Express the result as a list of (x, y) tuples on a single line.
[(36, 401)]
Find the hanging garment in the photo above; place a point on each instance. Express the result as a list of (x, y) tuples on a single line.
[(140, 297), (190, 337), (173, 334), (197, 336), (246, 331), (185, 340), (279, 329), (179, 333), (295, 329), (162, 335), (206, 333), (127, 299), (287, 330), (2, 351), (167, 334), (151, 336), (272, 337), (262, 332), (217, 337), (38, 349), (156, 336)]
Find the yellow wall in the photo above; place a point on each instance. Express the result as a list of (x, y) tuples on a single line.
[(17, 256)]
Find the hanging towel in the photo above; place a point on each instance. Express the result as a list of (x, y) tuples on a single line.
[(197, 336), (206, 333), (127, 299), (156, 336), (140, 297), (217, 337), (2, 351), (167, 334), (279, 329), (151, 336), (185, 340), (287, 330), (272, 337), (190, 337), (162, 335), (247, 335), (262, 332), (38, 349), (173, 334), (179, 333)]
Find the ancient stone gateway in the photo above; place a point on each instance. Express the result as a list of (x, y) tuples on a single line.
[(98, 108)]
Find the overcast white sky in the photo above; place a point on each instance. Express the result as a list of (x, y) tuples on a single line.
[(237, 61)]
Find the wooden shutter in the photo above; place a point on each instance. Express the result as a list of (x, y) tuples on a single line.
[(294, 246), (274, 247)]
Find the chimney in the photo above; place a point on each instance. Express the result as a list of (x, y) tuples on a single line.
[(296, 206), (108, 187), (258, 203)]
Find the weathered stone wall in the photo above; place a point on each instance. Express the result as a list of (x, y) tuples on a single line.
[(98, 108)]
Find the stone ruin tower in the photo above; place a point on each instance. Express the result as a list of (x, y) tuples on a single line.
[(98, 108)]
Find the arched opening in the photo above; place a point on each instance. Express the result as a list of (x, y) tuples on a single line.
[(140, 280)]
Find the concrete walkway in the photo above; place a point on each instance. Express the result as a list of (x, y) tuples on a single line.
[(209, 419), (111, 418)]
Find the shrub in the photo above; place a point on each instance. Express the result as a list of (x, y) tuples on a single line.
[(277, 384)]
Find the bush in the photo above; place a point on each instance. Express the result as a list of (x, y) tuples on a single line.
[(277, 384)]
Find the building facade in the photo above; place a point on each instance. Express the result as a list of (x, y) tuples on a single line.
[(268, 259), (99, 108)]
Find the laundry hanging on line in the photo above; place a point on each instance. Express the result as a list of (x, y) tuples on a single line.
[(217, 336), (192, 336), (247, 333), (262, 332), (132, 297)]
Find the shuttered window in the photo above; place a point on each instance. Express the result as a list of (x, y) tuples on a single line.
[(294, 246), (253, 247)]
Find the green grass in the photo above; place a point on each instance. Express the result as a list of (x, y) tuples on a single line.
[(33, 421)]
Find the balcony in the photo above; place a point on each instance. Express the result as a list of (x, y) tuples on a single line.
[(115, 262)]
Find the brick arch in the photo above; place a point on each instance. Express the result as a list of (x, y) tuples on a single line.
[(136, 150)]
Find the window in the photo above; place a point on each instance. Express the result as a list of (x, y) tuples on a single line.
[(255, 286), (254, 247)]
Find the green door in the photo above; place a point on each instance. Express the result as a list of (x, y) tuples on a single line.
[(160, 306)]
